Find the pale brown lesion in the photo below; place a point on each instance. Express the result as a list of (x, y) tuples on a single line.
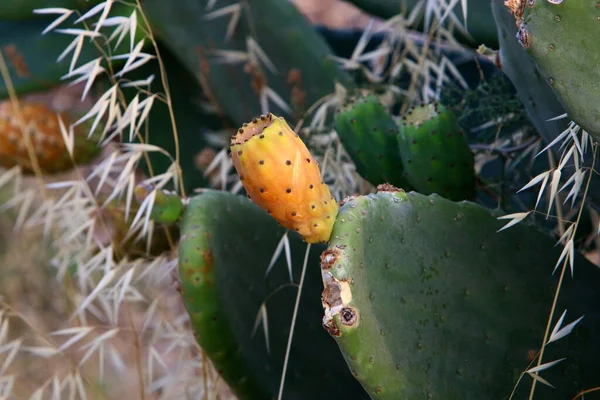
[(516, 7), (335, 299), (255, 127), (417, 115)]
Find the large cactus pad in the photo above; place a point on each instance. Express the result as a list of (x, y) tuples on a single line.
[(427, 301)]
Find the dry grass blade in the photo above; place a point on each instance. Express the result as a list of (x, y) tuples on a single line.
[(263, 319), (293, 323), (514, 219), (533, 372), (234, 11), (283, 245), (560, 332)]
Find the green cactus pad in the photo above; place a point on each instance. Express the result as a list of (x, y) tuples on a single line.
[(435, 153), (23, 9), (168, 206), (534, 92), (293, 61), (428, 301), (562, 40), (226, 245), (368, 133), (32, 57), (536, 95)]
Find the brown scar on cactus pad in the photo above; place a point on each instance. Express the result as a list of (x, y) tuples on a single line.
[(386, 187), (348, 316), (329, 257), (523, 37), (281, 176), (516, 7), (335, 297)]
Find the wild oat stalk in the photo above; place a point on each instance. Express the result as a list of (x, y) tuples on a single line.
[(574, 143)]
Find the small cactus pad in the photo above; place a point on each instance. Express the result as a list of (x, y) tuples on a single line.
[(113, 227), (281, 176), (561, 37), (46, 139), (427, 300), (368, 133), (435, 153), (226, 247), (167, 206)]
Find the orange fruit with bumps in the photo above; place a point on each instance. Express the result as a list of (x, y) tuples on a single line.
[(281, 176), (46, 139)]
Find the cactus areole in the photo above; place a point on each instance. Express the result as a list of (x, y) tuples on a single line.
[(281, 176)]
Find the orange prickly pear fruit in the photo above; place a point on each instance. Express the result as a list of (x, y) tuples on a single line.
[(281, 176), (46, 139)]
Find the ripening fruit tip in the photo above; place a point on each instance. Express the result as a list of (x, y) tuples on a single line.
[(281, 176)]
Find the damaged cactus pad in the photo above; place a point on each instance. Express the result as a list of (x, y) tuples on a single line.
[(281, 176), (428, 301)]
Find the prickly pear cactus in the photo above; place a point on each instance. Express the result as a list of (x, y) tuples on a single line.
[(167, 207), (46, 139), (23, 9), (262, 53), (435, 153), (427, 301), (368, 133), (534, 91), (536, 94), (226, 246), (282, 177), (560, 36), (113, 227), (31, 57)]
